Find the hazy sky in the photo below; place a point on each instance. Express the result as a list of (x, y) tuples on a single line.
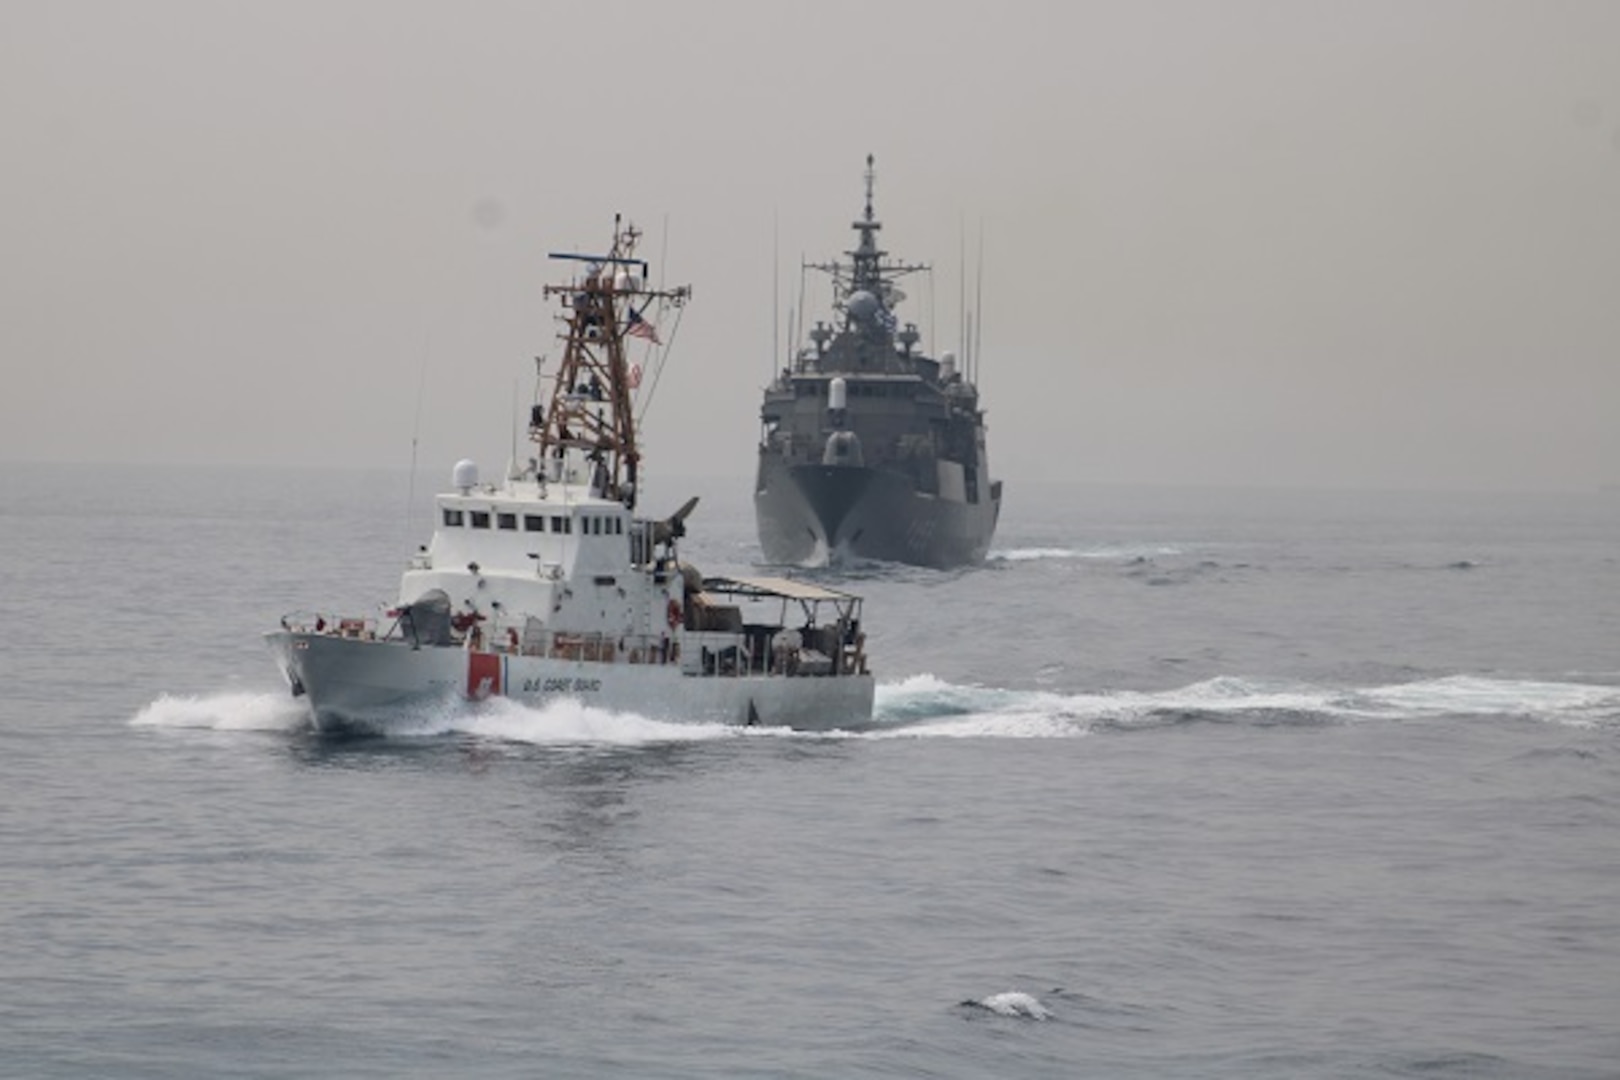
[(1346, 243)]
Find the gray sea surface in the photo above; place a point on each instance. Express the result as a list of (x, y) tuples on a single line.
[(1179, 784)]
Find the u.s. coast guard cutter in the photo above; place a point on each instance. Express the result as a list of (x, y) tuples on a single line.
[(547, 585), (869, 448)]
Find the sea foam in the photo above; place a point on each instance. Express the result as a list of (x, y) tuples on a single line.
[(1015, 1003), (237, 711), (926, 706), (1128, 551)]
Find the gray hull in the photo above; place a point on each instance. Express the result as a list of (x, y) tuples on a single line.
[(374, 686), (814, 514)]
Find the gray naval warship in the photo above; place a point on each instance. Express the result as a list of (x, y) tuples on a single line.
[(869, 449)]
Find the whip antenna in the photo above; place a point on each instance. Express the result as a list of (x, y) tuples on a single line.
[(416, 428)]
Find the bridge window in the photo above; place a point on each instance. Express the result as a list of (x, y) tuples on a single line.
[(534, 523), (453, 519), (506, 521), (480, 519)]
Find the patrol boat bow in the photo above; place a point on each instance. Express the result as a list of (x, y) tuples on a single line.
[(547, 586)]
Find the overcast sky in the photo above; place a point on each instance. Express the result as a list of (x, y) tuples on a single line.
[(1347, 243)]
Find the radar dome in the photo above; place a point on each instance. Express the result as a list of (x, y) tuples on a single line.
[(862, 305), (465, 475)]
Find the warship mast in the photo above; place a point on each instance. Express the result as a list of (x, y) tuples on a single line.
[(866, 270)]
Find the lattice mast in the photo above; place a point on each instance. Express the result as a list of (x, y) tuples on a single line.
[(591, 414), (867, 269)]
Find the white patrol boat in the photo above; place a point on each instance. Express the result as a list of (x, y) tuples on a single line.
[(547, 586)]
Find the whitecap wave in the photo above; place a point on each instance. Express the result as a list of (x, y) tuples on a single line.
[(1012, 1003), (239, 711)]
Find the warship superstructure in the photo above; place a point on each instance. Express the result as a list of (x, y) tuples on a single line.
[(869, 448)]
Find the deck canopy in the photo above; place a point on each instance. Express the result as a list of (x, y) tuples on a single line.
[(828, 639), (760, 588)]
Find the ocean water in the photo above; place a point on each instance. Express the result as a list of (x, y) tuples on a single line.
[(1179, 784)]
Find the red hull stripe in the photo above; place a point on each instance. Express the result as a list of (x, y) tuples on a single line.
[(483, 675)]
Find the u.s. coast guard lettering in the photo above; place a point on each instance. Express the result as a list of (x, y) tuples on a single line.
[(561, 686)]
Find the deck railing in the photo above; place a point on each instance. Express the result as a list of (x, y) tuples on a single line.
[(707, 652)]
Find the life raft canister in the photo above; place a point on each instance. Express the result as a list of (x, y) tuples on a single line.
[(674, 613)]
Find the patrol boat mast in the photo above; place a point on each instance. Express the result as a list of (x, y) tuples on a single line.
[(591, 409)]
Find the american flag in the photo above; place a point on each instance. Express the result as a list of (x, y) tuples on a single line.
[(636, 326)]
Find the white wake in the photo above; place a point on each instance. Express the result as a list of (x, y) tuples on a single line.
[(925, 706), (1114, 552), (556, 723)]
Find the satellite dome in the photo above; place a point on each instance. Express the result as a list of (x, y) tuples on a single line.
[(465, 475), (862, 305)]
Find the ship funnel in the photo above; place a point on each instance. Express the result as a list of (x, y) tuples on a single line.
[(465, 475)]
